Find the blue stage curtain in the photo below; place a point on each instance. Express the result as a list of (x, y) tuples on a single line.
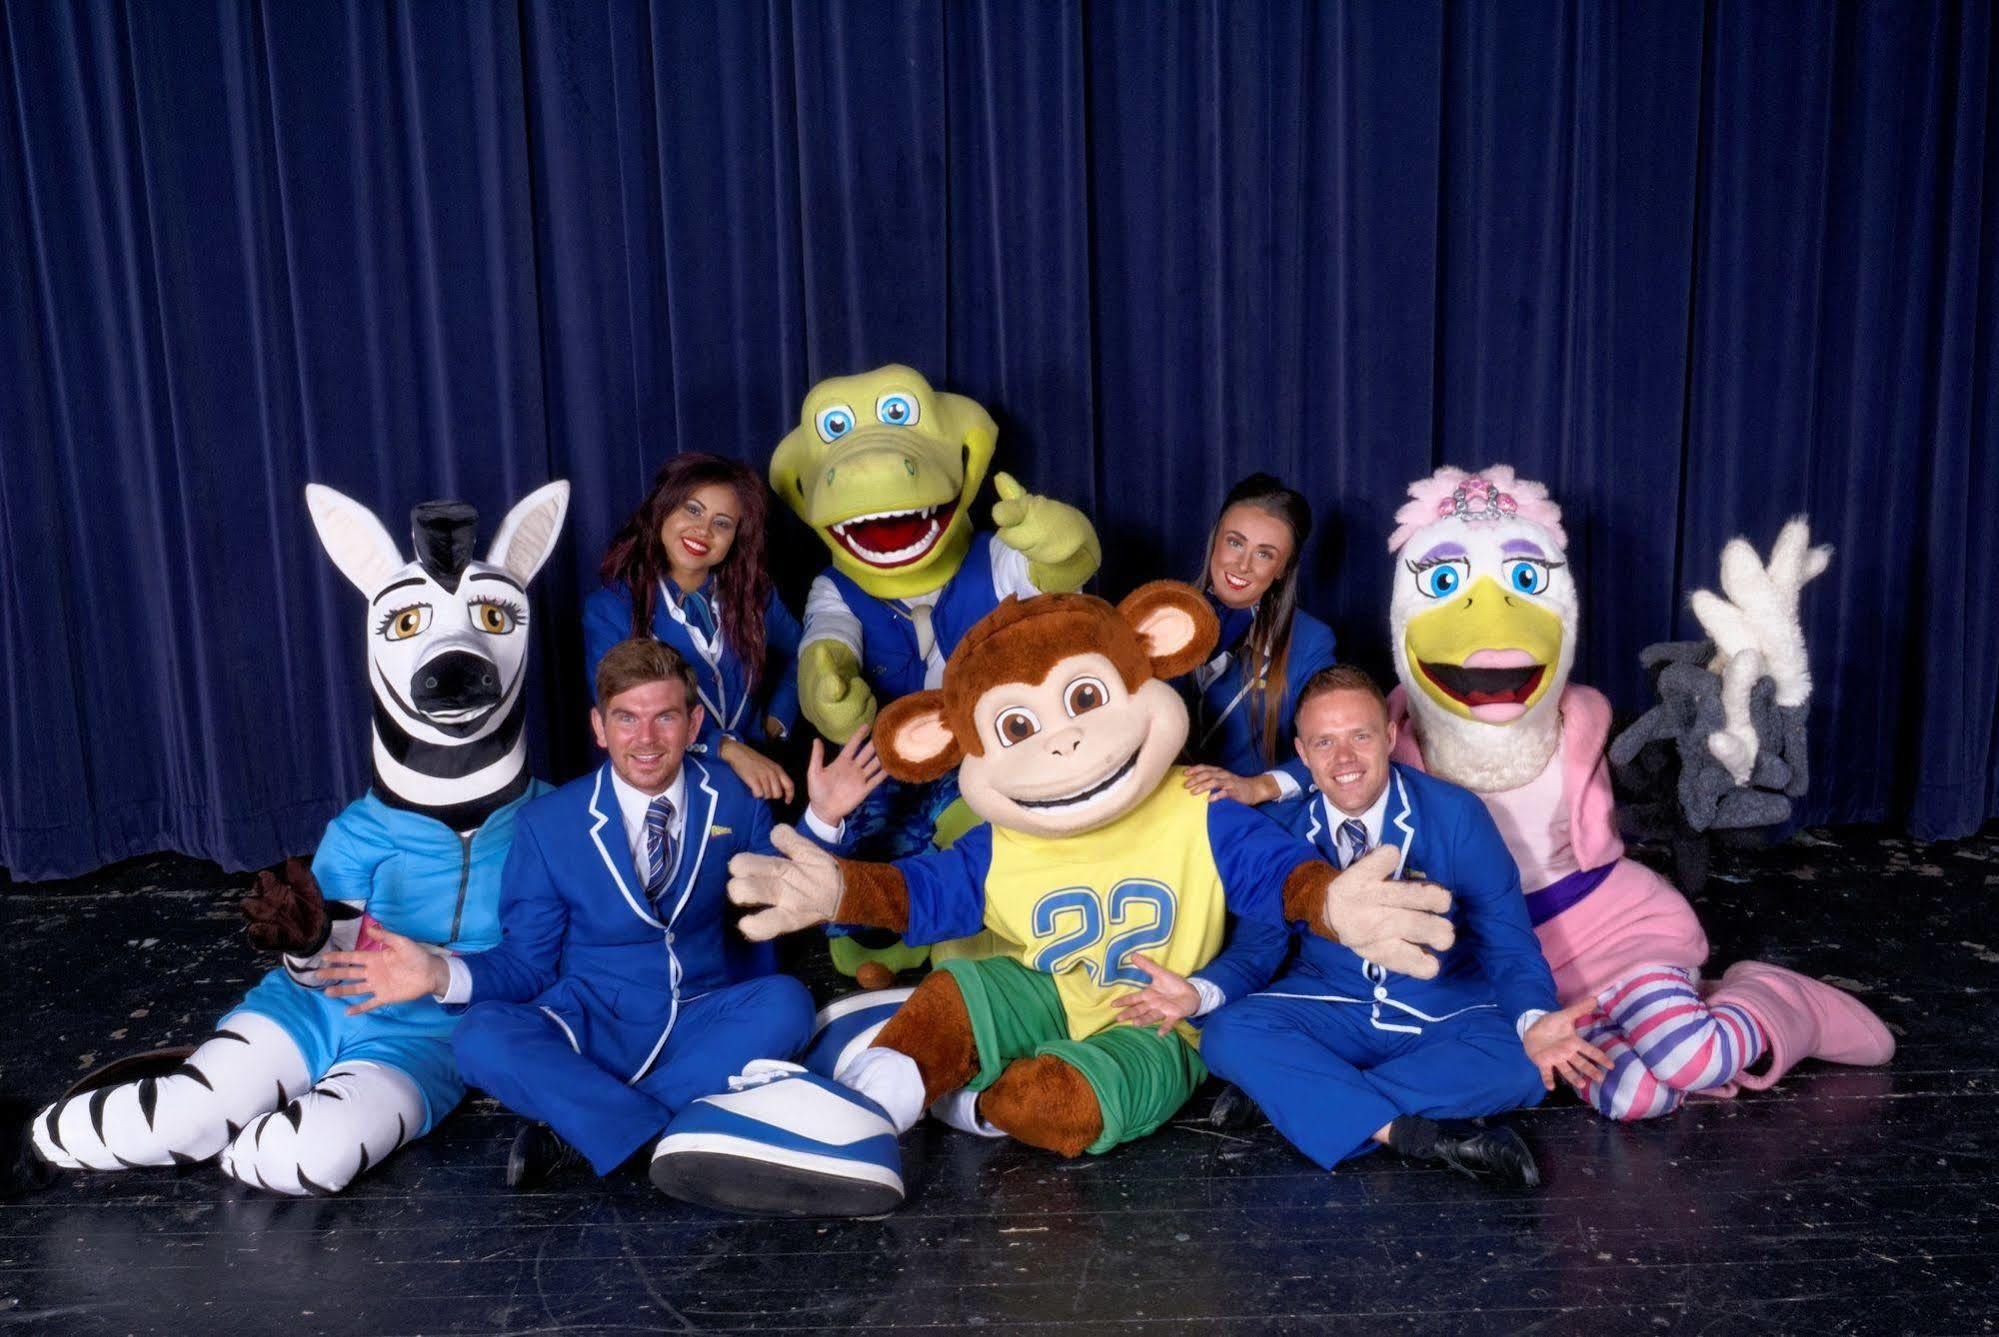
[(1698, 267)]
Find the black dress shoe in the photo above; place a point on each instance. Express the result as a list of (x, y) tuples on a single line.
[(1233, 1110), (538, 1155), (1495, 1156)]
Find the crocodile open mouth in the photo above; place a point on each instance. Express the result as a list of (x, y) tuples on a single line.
[(894, 538)]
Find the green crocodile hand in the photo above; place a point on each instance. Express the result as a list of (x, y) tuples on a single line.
[(1058, 540), (831, 692)]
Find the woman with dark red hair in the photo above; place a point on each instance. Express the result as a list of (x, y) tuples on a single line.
[(688, 569)]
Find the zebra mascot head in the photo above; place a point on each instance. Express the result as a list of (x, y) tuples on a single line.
[(447, 646)]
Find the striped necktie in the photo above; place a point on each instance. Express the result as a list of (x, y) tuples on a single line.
[(659, 847), (1353, 834)]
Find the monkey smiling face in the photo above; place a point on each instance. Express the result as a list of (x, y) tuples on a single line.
[(1073, 751), (1055, 709)]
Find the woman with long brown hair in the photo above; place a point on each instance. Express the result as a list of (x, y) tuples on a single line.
[(1245, 697), (688, 569)]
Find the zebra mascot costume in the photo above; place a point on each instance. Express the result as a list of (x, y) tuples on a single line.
[(295, 1094)]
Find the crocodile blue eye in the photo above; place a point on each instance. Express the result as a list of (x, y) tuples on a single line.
[(833, 422), (898, 409), (1440, 581), (1525, 577)]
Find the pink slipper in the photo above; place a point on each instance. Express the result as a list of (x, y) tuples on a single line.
[(1802, 1018)]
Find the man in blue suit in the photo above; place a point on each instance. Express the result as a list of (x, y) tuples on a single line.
[(1343, 1055), (619, 991)]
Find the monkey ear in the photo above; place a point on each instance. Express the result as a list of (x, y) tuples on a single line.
[(1174, 624), (913, 739)]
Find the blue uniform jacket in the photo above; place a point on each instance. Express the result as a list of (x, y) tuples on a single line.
[(1228, 715), (1446, 837), (579, 936), (732, 707), (890, 662)]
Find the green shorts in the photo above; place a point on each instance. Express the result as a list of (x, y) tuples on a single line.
[(1141, 1078)]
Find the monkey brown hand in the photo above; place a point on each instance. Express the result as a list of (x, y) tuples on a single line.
[(287, 915), (1386, 921), (798, 887)]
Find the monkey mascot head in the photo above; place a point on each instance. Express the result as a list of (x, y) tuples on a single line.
[(1055, 709)]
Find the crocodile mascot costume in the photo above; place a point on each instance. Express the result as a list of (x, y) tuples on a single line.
[(296, 1093), (1483, 630), (885, 469)]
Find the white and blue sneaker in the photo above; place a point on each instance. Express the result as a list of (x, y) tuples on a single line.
[(846, 1026), (782, 1142)]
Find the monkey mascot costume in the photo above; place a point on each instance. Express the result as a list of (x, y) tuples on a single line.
[(884, 470), (1056, 712), (1483, 629), (296, 1095)]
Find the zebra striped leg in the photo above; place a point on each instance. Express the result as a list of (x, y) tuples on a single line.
[(352, 1118), (248, 1066)]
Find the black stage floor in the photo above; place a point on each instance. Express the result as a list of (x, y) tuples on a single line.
[(1846, 1201)]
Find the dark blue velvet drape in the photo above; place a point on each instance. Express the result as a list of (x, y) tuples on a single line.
[(1697, 267)]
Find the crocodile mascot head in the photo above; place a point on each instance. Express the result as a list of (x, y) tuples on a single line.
[(1483, 623), (884, 469)]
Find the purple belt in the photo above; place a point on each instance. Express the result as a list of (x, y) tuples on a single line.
[(1556, 897)]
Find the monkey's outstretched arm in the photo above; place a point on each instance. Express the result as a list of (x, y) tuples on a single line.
[(1365, 908), (926, 899), (873, 895)]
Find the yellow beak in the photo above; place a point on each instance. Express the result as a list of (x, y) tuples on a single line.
[(1521, 641)]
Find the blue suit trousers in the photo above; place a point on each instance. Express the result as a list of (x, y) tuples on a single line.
[(1328, 1077), (540, 1065)]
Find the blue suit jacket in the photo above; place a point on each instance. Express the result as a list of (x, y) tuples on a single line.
[(578, 935), (731, 706), (1228, 720), (1446, 837), (890, 663)]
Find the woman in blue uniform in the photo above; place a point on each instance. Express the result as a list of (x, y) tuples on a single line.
[(1243, 699), (688, 570)]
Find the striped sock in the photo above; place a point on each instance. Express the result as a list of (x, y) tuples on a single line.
[(1628, 1091), (1684, 1043)]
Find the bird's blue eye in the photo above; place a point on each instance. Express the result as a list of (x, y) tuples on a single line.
[(898, 409), (1525, 577), (1440, 581), (833, 422)]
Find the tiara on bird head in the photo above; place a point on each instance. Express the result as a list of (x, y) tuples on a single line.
[(1493, 493)]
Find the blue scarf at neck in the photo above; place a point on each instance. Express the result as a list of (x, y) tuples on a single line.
[(1235, 623)]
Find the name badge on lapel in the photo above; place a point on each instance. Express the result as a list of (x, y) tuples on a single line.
[(720, 830)]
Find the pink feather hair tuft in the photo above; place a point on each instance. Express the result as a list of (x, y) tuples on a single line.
[(1434, 498)]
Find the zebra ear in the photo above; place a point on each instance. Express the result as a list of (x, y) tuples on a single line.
[(356, 541), (527, 536)]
